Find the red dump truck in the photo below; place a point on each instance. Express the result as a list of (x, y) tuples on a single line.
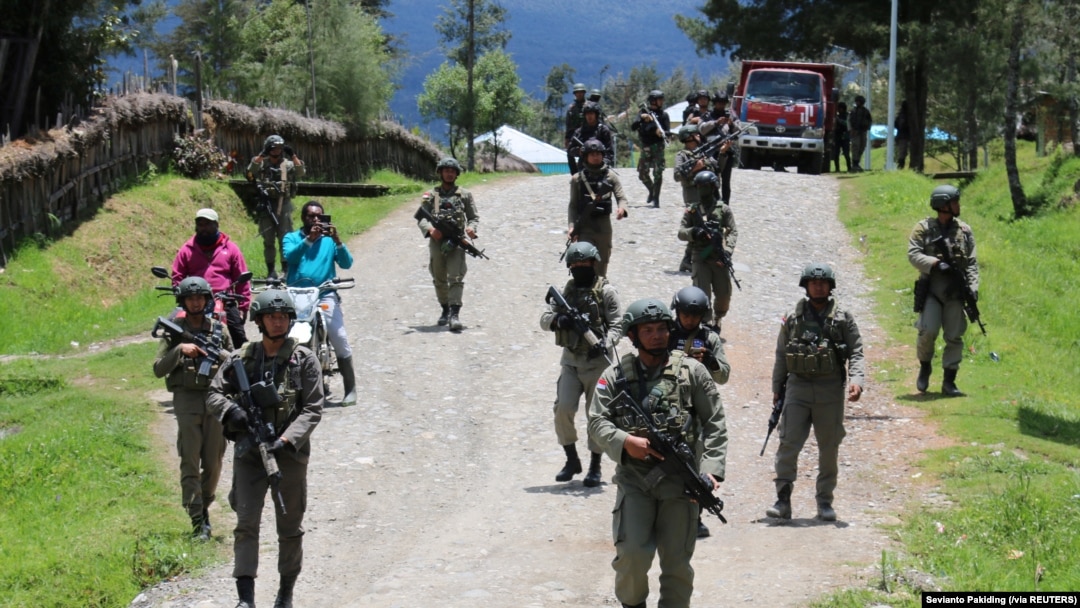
[(793, 108)]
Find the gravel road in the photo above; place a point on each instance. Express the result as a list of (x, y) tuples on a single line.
[(438, 488)]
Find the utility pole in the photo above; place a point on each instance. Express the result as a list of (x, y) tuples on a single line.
[(470, 60), (311, 58)]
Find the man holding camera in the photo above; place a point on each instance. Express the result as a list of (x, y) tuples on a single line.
[(278, 167), (312, 254)]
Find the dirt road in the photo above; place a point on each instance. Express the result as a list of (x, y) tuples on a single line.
[(438, 488)]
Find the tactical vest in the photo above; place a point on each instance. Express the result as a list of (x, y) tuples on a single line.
[(449, 207), (686, 342), (958, 234), (668, 401), (589, 301), (285, 377), (812, 350), (186, 375), (602, 186), (272, 174)]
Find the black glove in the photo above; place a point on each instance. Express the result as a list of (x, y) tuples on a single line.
[(288, 152), (700, 234), (265, 152), (564, 322), (278, 445), (235, 418)]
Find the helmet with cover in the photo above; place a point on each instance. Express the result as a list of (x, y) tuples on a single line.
[(818, 270), (579, 87), (942, 196), (690, 300), (273, 300), (686, 132), (194, 286), (448, 162), (647, 310), (581, 251), (594, 95)]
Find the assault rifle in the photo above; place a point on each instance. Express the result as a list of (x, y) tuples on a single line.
[(709, 147), (210, 345), (716, 243), (971, 306), (260, 431), (679, 459), (581, 322), (660, 132), (263, 202), (452, 233), (774, 417)]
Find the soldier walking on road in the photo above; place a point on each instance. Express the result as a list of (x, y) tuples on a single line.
[(590, 294), (653, 140), (280, 167), (593, 193), (653, 515), (722, 122), (593, 128), (818, 350), (942, 307), (447, 264), (686, 167), (199, 441), (292, 373), (575, 117), (709, 226)]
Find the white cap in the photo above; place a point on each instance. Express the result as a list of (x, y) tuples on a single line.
[(209, 214)]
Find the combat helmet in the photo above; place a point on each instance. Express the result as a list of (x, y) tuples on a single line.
[(720, 96), (272, 142), (818, 270), (591, 106), (647, 310), (273, 300), (705, 179), (655, 94), (594, 95), (942, 196), (691, 300), (579, 86), (581, 251), (450, 162), (701, 93), (594, 145), (194, 286), (688, 131)]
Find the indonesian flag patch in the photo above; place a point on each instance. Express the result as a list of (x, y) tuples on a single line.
[(601, 383)]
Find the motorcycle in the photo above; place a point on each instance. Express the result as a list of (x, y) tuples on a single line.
[(311, 328), (221, 298)]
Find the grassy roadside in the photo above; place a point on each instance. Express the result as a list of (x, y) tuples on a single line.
[(89, 509), (1012, 489)]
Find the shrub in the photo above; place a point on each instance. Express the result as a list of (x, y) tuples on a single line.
[(196, 157)]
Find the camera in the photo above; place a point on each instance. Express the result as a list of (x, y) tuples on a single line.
[(324, 219)]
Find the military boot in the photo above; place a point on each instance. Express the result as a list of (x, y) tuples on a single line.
[(572, 466), (285, 592), (348, 378), (200, 527), (782, 508), (592, 478), (245, 588), (948, 384), (702, 529), (444, 318), (687, 264), (923, 381), (455, 323), (656, 197), (825, 511)]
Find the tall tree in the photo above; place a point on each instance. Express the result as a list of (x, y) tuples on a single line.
[(500, 100), (1016, 19), (211, 28)]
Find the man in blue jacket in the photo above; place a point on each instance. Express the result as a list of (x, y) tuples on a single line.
[(312, 253)]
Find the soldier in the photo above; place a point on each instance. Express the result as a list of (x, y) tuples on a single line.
[(447, 263), (686, 167), (590, 294), (280, 167), (574, 119), (943, 307), (653, 140), (653, 514), (589, 211), (697, 108), (292, 373), (593, 128), (721, 122), (859, 123), (199, 441), (817, 351), (707, 226)]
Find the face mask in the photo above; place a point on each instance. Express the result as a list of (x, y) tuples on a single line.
[(583, 275), (206, 240)]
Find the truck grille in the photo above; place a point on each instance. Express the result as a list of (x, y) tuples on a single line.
[(771, 131)]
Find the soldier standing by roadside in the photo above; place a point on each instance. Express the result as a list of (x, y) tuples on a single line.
[(575, 117), (447, 263), (653, 140), (943, 306), (199, 440), (590, 208), (843, 138), (280, 167), (292, 373), (653, 515), (859, 123), (817, 351), (590, 294), (702, 223)]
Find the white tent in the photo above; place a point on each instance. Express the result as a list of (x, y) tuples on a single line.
[(547, 158)]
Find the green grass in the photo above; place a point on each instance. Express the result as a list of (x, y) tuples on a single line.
[(1011, 481)]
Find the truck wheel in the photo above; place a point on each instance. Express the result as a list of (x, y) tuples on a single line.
[(812, 164), (747, 160)]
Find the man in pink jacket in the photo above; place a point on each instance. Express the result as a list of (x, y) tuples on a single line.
[(211, 255)]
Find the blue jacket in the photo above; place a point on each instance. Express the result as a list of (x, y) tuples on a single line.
[(312, 264)]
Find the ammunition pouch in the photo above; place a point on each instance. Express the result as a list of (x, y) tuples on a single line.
[(811, 361), (600, 207), (922, 291)]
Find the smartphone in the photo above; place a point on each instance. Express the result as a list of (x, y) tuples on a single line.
[(324, 219)]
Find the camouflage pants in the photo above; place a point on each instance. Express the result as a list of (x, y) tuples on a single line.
[(272, 235), (652, 157), (447, 273)]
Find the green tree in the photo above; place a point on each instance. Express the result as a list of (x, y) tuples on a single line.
[(444, 97), (212, 29), (499, 98)]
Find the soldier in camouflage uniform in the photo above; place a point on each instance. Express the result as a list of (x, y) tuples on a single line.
[(709, 273), (590, 294), (199, 441), (292, 373), (943, 308), (653, 141), (280, 168), (818, 350), (590, 208), (575, 117), (652, 514), (447, 263)]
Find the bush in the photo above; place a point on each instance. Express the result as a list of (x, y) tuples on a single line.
[(197, 158)]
